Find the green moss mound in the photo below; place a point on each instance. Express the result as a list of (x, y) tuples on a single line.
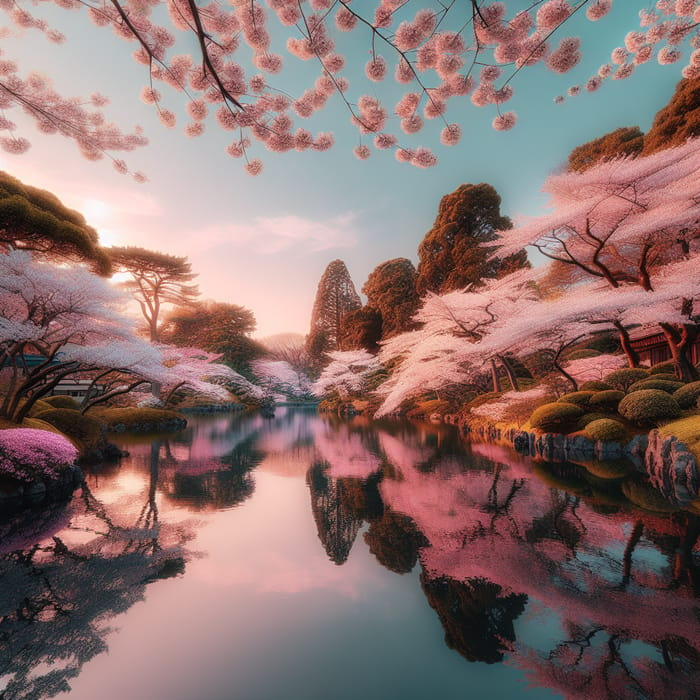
[(688, 395), (140, 420), (595, 385), (623, 378), (579, 398), (607, 400), (59, 401), (85, 431), (587, 418), (39, 407), (649, 407), (608, 430), (483, 398), (664, 368), (556, 417), (661, 384), (607, 470)]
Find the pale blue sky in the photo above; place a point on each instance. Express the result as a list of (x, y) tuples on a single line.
[(264, 242)]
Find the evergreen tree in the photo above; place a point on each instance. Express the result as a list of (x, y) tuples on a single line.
[(452, 254), (335, 297)]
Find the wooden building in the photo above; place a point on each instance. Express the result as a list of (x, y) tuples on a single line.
[(652, 347)]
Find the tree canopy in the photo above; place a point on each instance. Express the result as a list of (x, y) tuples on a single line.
[(452, 254), (36, 220), (218, 327), (391, 291), (156, 279), (625, 141)]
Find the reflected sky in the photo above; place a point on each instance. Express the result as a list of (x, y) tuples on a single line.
[(302, 557)]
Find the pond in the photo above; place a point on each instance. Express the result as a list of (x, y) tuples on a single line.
[(304, 557)]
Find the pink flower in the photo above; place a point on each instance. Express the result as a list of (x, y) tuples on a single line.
[(362, 152), (423, 158), (552, 14), (375, 69), (505, 121), (598, 9), (451, 135), (254, 167)]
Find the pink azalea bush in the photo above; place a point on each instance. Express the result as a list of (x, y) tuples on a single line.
[(27, 454)]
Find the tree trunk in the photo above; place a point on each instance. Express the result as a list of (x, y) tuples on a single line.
[(510, 372), (494, 376), (626, 343), (680, 339)]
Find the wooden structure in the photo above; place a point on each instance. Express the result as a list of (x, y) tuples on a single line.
[(652, 347)]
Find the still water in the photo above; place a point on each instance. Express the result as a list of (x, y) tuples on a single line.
[(304, 558)]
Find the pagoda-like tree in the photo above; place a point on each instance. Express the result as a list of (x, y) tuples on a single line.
[(156, 279), (335, 297)]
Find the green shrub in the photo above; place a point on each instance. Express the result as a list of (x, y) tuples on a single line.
[(558, 416), (39, 407), (84, 430), (664, 377), (59, 401), (595, 385), (483, 398), (579, 398), (647, 497), (660, 384), (647, 407), (607, 429), (623, 378), (667, 367), (688, 395), (138, 419), (587, 418), (607, 400)]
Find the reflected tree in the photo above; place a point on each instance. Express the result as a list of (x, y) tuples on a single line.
[(395, 541)]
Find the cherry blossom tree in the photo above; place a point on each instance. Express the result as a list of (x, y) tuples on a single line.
[(57, 322), (226, 64), (347, 374), (280, 377)]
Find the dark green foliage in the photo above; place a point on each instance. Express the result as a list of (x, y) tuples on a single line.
[(139, 419), (556, 417), (651, 383), (579, 398), (451, 254), (36, 220), (62, 402), (623, 378), (606, 400), (688, 395), (594, 385), (607, 429), (648, 407), (362, 329), (625, 141)]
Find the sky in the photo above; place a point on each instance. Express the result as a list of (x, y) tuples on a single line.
[(263, 242)]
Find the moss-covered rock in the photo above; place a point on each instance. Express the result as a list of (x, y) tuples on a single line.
[(556, 417), (652, 383), (688, 395), (647, 497), (88, 433), (606, 400), (649, 407), (607, 430), (623, 378), (579, 398), (687, 430)]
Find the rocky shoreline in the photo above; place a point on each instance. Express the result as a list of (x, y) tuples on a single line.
[(40, 493)]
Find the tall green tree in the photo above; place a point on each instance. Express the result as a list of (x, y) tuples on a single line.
[(452, 255), (156, 279), (217, 327), (391, 291), (335, 297), (36, 220)]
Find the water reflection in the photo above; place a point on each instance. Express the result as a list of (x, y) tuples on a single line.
[(583, 578)]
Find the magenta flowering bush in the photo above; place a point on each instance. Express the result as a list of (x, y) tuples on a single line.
[(27, 454)]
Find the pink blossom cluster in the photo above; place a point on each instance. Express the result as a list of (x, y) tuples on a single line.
[(27, 454), (236, 51)]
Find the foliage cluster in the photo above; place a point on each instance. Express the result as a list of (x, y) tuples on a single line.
[(28, 455)]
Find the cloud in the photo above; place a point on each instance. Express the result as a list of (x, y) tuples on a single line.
[(270, 235)]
